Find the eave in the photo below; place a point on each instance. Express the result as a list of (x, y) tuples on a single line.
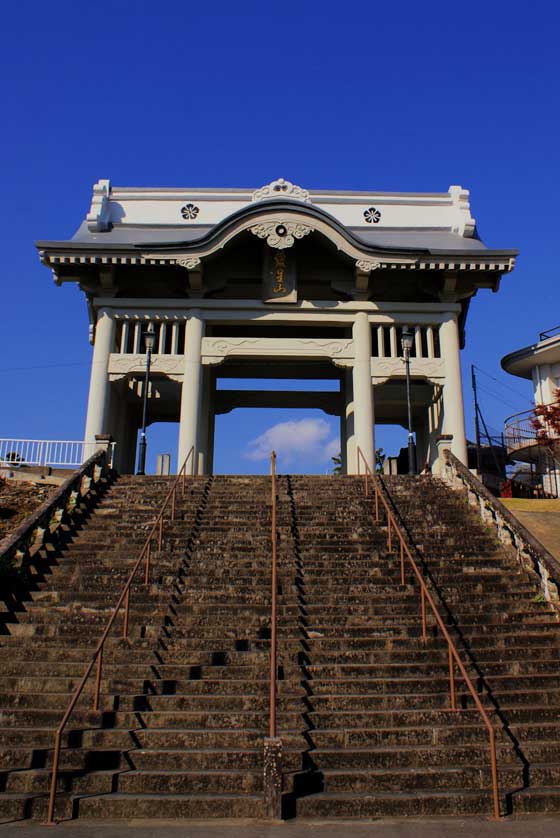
[(523, 361), (56, 253)]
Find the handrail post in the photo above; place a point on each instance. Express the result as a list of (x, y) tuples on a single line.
[(98, 673), (423, 607), (494, 773), (402, 562), (147, 568), (52, 795), (273, 666), (359, 458), (272, 746), (125, 621), (451, 678)]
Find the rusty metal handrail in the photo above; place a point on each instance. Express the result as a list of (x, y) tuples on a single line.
[(425, 596), (273, 637), (123, 598)]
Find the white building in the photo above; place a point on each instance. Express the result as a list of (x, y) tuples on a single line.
[(277, 282), (540, 363)]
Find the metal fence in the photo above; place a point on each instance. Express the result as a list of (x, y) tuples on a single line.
[(550, 333), (520, 431), (540, 449), (57, 453)]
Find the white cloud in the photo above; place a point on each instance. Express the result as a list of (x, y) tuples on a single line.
[(301, 439), (332, 448)]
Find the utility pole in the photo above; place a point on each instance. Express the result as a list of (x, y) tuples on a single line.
[(478, 416), (476, 425)]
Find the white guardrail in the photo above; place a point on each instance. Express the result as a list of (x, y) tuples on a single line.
[(58, 453)]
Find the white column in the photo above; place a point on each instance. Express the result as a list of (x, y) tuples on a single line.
[(98, 401), (363, 393), (136, 346), (211, 424), (394, 353), (547, 384), (343, 430), (162, 336), (190, 396), (381, 341), (418, 341), (435, 424), (453, 412), (350, 437), (422, 434), (124, 337), (203, 424), (175, 339), (430, 342)]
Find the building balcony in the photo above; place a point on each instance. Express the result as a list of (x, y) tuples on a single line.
[(526, 443)]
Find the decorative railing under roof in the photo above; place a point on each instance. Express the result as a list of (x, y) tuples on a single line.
[(170, 337)]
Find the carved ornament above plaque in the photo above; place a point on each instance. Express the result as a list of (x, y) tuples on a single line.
[(281, 189), (280, 234)]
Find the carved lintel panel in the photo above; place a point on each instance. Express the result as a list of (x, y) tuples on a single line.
[(280, 234), (212, 360), (277, 348), (122, 365), (382, 369), (281, 189)]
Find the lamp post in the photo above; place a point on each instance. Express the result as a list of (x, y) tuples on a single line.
[(149, 340), (407, 339)]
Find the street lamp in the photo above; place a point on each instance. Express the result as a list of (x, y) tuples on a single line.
[(407, 340), (149, 340)]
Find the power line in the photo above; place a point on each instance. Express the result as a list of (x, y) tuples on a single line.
[(506, 386), (45, 367), (499, 397)]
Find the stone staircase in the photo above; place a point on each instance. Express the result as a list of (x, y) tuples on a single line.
[(363, 703), (382, 741)]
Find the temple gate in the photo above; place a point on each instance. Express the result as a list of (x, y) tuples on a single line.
[(282, 283)]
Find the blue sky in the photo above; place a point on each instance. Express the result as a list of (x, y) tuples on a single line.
[(400, 97)]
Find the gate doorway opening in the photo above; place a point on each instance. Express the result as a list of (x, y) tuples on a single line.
[(161, 439), (297, 418)]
